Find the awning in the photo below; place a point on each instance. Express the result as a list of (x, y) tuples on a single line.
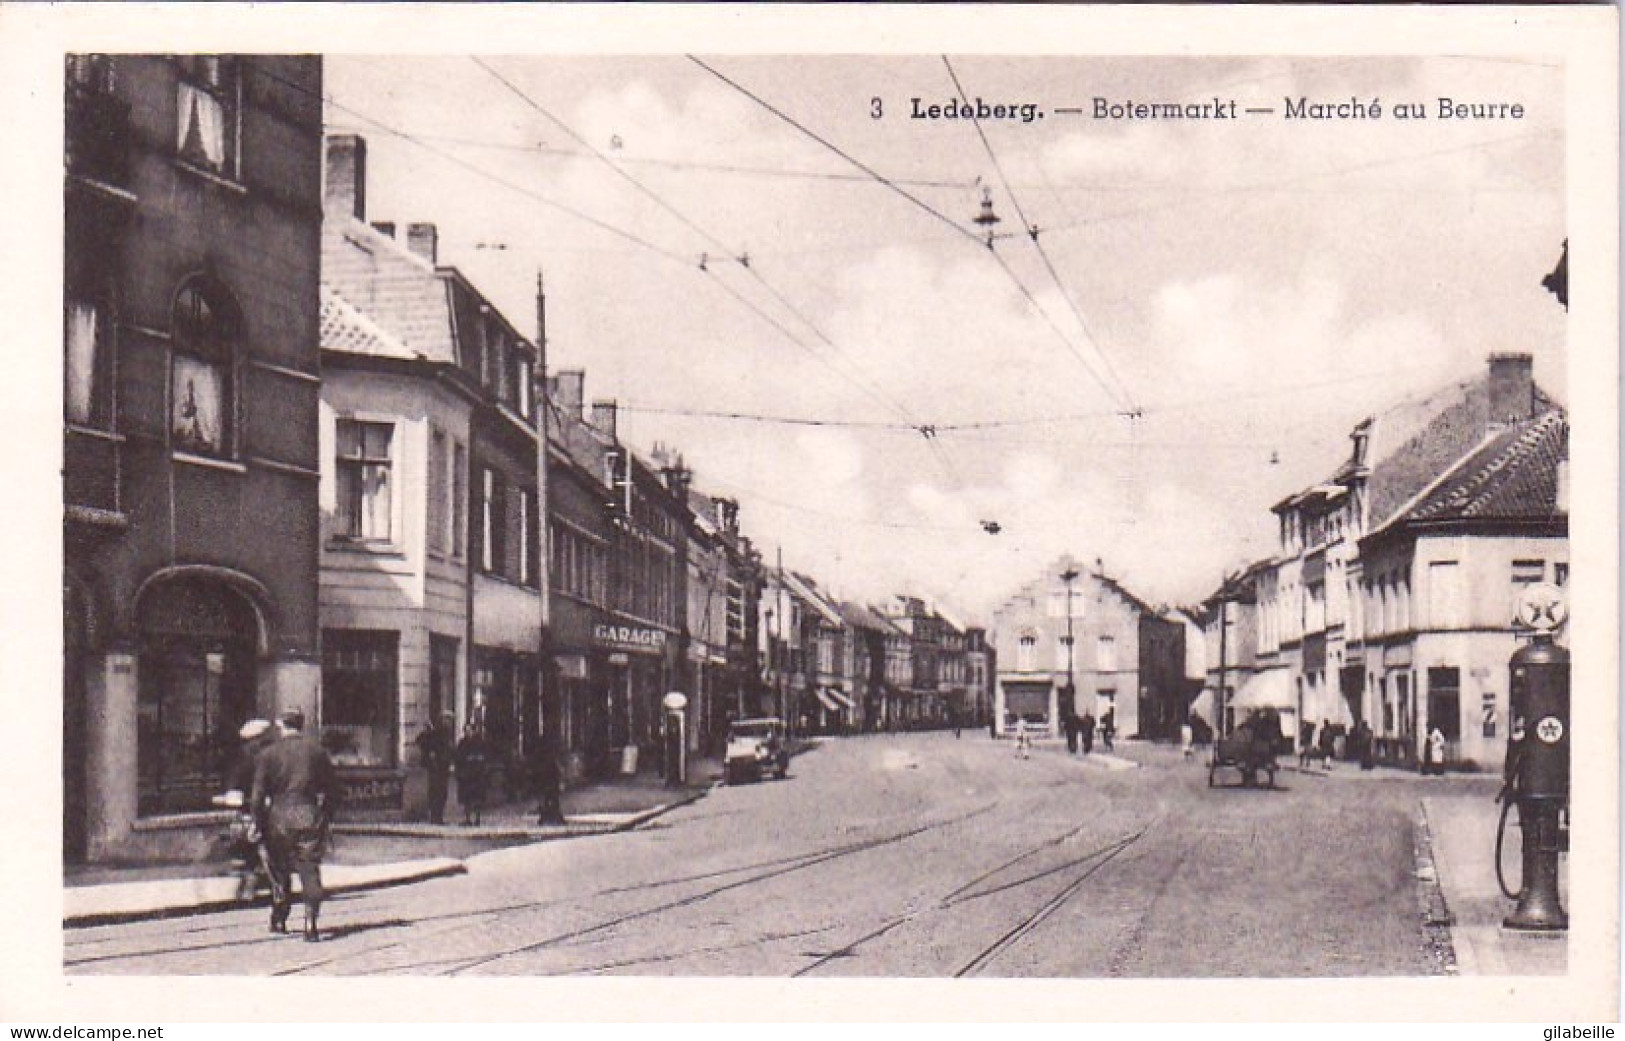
[(1271, 688), (840, 696), (1203, 705), (829, 702)]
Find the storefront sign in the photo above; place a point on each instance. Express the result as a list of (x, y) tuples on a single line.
[(572, 666), (371, 790), (636, 638)]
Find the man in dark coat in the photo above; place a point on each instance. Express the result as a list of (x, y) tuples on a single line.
[(1086, 732), (473, 764), (435, 746), (295, 793)]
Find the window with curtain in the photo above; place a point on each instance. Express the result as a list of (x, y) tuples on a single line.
[(207, 103), (365, 484), (205, 329), (87, 365)]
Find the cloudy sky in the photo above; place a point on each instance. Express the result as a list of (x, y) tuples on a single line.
[(1251, 287)]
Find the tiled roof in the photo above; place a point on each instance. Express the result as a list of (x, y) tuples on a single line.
[(1416, 440), (1512, 475), (344, 328)]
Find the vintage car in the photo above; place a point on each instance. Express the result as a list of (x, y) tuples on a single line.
[(756, 747)]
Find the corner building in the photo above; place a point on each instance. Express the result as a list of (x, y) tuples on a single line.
[(192, 199)]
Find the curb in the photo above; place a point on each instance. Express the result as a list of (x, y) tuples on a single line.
[(442, 867), (1435, 913), (581, 828)]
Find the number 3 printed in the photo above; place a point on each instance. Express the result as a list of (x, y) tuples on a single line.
[(875, 111)]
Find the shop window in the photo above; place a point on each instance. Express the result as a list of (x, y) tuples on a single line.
[(365, 485), (360, 684), (88, 364), (207, 105), (196, 688), (206, 327)]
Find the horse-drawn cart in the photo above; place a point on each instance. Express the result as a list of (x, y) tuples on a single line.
[(1250, 750)]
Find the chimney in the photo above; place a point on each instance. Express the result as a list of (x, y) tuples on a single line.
[(384, 227), (1512, 388), (567, 389), (424, 240), (346, 190), (603, 417)]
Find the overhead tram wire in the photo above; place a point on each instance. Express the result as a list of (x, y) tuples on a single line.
[(637, 240), (923, 205), (926, 430), (727, 251), (1032, 231)]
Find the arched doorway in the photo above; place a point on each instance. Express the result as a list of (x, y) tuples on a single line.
[(198, 671)]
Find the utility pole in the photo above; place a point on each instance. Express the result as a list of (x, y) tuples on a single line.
[(1224, 659), (781, 675), (549, 808), (1069, 576)]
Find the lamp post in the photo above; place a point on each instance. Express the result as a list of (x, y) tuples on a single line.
[(1069, 576)]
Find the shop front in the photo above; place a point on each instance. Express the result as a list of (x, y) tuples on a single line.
[(639, 672)]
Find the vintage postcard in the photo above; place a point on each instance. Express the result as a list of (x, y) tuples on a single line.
[(1108, 503)]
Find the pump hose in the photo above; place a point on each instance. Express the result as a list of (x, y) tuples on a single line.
[(1500, 836)]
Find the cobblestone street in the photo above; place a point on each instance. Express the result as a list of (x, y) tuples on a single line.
[(902, 855)]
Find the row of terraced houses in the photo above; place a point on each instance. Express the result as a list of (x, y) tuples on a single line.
[(1390, 599), (309, 465)]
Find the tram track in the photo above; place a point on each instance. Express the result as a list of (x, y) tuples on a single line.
[(993, 951), (473, 918), (837, 853), (968, 891), (760, 871)]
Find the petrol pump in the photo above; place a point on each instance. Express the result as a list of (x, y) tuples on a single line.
[(676, 741), (1537, 762)]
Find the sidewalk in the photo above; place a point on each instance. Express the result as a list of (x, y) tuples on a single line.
[(373, 855), (1462, 829)]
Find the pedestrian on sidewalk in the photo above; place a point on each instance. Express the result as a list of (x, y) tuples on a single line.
[(1187, 740), (295, 793), (548, 781), (1108, 729), (435, 747), (473, 773), (1434, 763), (1086, 732), (1364, 739), (1069, 720)]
